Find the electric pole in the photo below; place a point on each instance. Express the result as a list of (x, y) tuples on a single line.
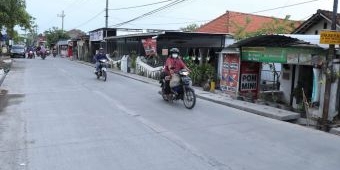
[(107, 13), (62, 15), (329, 73)]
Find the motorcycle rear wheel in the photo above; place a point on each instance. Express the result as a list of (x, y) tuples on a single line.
[(104, 75), (189, 98)]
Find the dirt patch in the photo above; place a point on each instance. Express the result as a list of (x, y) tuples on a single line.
[(5, 98)]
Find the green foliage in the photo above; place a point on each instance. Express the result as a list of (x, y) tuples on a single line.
[(240, 32), (13, 13), (190, 28), (133, 56), (54, 35), (276, 26), (201, 73)]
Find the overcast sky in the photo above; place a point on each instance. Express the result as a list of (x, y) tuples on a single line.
[(88, 15)]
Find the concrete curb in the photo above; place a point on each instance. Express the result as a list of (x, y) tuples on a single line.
[(2, 76)]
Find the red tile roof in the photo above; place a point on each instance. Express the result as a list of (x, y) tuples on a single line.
[(226, 22)]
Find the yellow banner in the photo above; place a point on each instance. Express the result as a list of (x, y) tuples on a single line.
[(330, 37)]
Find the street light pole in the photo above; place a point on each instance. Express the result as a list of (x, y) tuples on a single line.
[(329, 73), (62, 15), (107, 13)]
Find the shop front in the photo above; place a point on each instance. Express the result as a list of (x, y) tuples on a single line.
[(300, 68)]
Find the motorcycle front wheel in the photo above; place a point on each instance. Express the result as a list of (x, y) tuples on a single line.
[(189, 98)]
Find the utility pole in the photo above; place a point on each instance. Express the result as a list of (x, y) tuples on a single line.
[(62, 15), (329, 73), (107, 13)]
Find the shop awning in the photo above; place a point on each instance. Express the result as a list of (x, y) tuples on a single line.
[(283, 40)]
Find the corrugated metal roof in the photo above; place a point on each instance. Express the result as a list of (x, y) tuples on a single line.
[(312, 39), (282, 40)]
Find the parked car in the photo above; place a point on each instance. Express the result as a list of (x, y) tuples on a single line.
[(17, 51)]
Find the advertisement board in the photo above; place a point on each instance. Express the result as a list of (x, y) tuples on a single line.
[(97, 36), (249, 78), (230, 73), (150, 47)]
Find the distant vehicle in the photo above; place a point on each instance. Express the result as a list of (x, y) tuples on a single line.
[(17, 51)]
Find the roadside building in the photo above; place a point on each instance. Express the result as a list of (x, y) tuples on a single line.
[(322, 21), (97, 40), (153, 46)]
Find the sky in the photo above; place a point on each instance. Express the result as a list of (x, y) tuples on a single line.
[(88, 15)]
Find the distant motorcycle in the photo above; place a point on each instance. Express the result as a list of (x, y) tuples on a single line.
[(43, 55), (54, 52), (30, 54), (102, 69), (48, 52), (181, 90)]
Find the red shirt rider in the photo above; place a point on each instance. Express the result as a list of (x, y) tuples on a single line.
[(173, 63)]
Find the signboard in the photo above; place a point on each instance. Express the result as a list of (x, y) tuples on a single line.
[(230, 73), (149, 46), (249, 82), (249, 79), (165, 52), (329, 37), (264, 54), (291, 55), (97, 36)]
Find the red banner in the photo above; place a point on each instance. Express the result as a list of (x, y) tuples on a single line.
[(250, 75), (149, 46)]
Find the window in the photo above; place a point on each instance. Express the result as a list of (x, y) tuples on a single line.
[(316, 32), (325, 25)]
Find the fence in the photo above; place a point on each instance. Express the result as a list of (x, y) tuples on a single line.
[(146, 70)]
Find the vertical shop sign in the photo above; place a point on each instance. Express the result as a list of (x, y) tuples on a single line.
[(249, 78), (230, 72)]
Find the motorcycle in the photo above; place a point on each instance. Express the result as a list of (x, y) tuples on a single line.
[(30, 54), (102, 69), (180, 90), (43, 55), (54, 52), (48, 52)]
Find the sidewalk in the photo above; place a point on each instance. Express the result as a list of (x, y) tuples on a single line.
[(222, 98)]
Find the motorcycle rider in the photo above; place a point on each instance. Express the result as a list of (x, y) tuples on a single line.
[(173, 64), (42, 51), (30, 48), (100, 55)]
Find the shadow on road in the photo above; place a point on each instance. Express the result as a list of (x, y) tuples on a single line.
[(9, 99)]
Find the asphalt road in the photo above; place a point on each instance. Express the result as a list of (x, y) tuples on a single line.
[(55, 115)]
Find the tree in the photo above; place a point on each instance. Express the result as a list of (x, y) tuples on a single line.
[(240, 32), (53, 35), (13, 13), (75, 33), (278, 26), (275, 26), (190, 28)]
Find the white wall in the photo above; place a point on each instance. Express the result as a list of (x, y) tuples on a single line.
[(318, 27), (285, 85)]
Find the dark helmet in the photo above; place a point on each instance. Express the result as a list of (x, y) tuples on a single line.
[(174, 50)]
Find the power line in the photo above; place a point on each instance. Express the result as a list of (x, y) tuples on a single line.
[(116, 9), (122, 9), (176, 23), (86, 22), (286, 6), (150, 13)]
